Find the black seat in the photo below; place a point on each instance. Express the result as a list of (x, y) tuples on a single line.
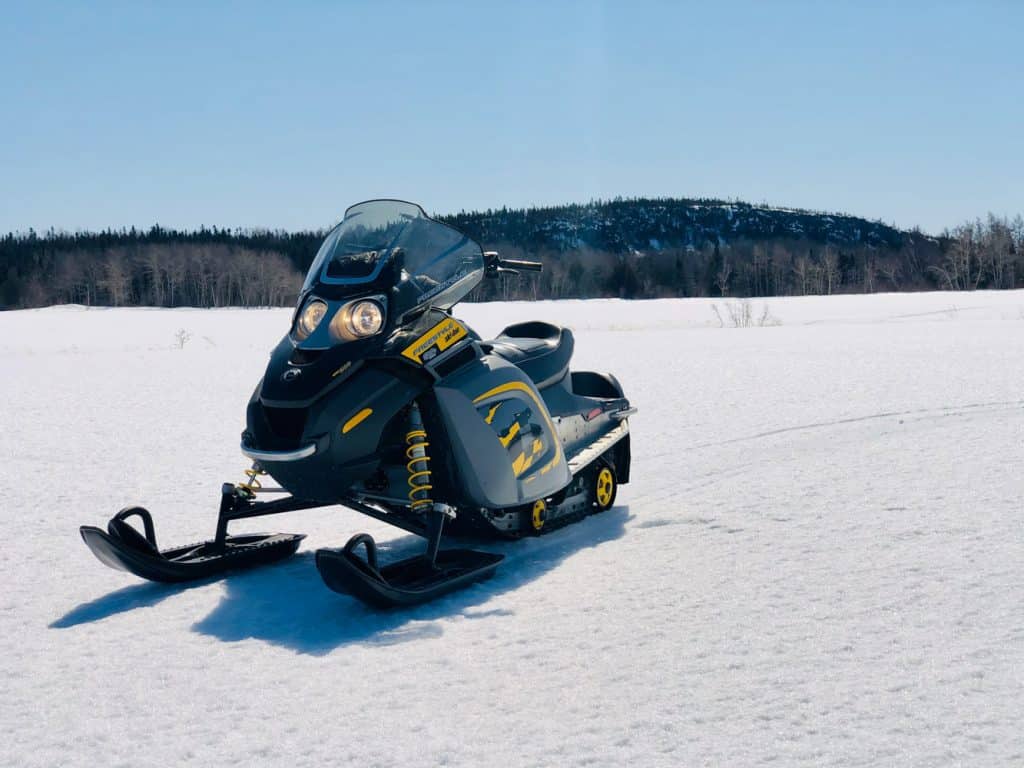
[(541, 350)]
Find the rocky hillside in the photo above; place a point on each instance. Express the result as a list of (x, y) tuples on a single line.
[(624, 226)]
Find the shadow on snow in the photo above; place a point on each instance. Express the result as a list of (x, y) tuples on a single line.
[(143, 595), (288, 605)]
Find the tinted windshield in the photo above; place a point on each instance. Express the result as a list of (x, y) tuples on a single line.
[(424, 260)]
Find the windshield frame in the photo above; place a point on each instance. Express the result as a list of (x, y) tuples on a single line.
[(324, 256), (420, 261)]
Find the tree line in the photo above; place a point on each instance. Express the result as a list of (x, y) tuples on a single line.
[(621, 248), (155, 267)]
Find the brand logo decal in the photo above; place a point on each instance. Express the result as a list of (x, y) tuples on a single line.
[(436, 340)]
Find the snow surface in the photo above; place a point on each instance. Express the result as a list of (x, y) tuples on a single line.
[(818, 562)]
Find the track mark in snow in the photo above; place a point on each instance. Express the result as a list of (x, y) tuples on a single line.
[(711, 524), (942, 411), (949, 312), (659, 523), (487, 614)]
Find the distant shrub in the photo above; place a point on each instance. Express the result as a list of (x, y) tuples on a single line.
[(740, 314)]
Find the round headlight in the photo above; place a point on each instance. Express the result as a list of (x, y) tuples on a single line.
[(365, 319), (358, 320), (310, 318)]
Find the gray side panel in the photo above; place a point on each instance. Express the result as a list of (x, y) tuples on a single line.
[(501, 466), (482, 463)]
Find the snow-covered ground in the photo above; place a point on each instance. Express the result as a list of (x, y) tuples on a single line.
[(819, 561)]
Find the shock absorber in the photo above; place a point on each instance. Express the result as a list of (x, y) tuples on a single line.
[(418, 464), (420, 498), (253, 484)]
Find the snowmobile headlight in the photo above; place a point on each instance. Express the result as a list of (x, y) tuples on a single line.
[(310, 318), (358, 320), (366, 318)]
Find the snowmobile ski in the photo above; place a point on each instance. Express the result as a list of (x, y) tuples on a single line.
[(195, 561), (408, 582), (122, 547)]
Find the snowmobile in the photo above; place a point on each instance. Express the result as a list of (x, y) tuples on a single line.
[(379, 400)]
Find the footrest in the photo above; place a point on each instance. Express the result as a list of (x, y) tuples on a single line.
[(407, 582)]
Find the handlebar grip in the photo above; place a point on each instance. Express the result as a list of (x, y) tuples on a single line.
[(528, 266)]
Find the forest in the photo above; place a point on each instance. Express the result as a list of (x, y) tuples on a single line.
[(636, 249)]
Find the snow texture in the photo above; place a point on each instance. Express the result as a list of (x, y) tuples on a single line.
[(818, 562)]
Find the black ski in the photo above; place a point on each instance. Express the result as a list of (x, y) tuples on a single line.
[(195, 561), (408, 582), (121, 546)]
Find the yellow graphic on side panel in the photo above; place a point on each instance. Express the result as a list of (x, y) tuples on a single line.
[(522, 462), (509, 436), (494, 409), (547, 467), (443, 335)]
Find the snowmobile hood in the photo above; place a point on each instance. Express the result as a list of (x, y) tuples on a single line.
[(296, 377), (387, 256)]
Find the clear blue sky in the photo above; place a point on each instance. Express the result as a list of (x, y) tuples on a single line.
[(281, 116)]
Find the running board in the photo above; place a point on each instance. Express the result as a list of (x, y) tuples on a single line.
[(597, 448)]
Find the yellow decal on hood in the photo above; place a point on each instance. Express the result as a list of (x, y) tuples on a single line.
[(439, 338)]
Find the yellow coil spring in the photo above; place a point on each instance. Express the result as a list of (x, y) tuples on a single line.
[(253, 485), (418, 469)]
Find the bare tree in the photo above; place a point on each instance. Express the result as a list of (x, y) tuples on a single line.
[(153, 273), (176, 272), (956, 268), (830, 266), (995, 252), (759, 259), (802, 271), (891, 272), (116, 278), (870, 271), (724, 274)]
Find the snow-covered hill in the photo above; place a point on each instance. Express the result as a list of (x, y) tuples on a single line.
[(818, 562), (621, 226)]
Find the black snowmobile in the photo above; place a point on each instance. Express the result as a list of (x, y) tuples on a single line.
[(379, 400)]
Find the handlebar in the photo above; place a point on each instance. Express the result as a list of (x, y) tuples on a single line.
[(528, 266), (499, 266)]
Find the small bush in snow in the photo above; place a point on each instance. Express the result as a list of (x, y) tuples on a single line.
[(767, 318), (182, 337), (741, 315)]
